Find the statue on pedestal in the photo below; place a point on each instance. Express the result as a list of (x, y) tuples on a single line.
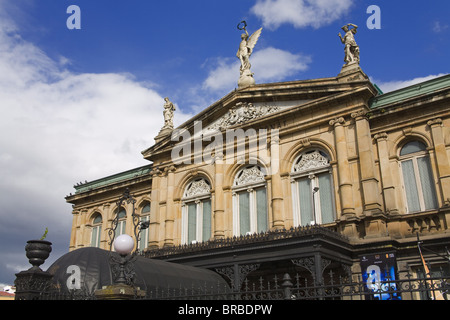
[(245, 51), (167, 129), (351, 48), (168, 113)]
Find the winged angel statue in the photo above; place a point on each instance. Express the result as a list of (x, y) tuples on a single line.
[(245, 51)]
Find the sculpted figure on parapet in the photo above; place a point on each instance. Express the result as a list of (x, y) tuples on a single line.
[(351, 48), (246, 47), (244, 52), (168, 112)]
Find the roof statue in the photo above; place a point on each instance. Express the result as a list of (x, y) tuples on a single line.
[(169, 110), (245, 51), (168, 113), (351, 48)]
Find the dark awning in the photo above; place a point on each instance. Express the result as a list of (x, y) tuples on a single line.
[(151, 275)]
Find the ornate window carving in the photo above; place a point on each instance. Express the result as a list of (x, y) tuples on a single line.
[(248, 176), (311, 161), (197, 188), (312, 189), (196, 212)]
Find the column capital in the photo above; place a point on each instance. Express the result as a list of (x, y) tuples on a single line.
[(337, 121), (381, 136), (360, 114), (435, 122)]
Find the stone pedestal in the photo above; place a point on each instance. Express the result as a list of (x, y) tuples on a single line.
[(165, 132), (246, 79), (34, 282), (351, 72)]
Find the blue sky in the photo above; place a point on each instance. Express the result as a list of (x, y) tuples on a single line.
[(82, 104)]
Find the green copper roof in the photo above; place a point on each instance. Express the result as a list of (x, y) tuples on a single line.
[(416, 90), (116, 178)]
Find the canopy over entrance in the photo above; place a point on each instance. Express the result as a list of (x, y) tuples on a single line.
[(94, 269)]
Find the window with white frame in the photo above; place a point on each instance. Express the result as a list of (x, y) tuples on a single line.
[(96, 230), (196, 212), (418, 182), (122, 222), (250, 214), (312, 189), (144, 217)]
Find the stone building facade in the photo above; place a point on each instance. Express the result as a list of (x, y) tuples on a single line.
[(239, 183)]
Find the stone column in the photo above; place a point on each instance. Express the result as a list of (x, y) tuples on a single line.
[(443, 164), (370, 191), (347, 217), (73, 233), (104, 238), (219, 228), (276, 188), (153, 241), (374, 219), (170, 208), (345, 184)]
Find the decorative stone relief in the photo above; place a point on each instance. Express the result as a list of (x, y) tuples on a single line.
[(197, 188), (249, 176), (311, 161), (241, 113)]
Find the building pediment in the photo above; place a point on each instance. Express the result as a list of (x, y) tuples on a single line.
[(244, 106)]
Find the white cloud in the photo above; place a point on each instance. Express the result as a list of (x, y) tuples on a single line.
[(269, 64), (395, 85), (300, 13), (59, 128), (439, 27)]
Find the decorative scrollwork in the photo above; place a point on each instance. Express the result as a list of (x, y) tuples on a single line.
[(249, 175)]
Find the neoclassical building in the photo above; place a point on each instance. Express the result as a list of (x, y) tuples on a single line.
[(303, 175)]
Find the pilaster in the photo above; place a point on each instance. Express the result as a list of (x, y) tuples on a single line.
[(276, 188), (347, 220), (170, 208), (442, 161), (219, 228)]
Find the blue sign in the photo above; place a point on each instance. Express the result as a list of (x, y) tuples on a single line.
[(379, 276)]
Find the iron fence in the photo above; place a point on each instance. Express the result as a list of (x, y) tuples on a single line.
[(286, 287)]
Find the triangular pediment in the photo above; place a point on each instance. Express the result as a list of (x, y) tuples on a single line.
[(245, 106)]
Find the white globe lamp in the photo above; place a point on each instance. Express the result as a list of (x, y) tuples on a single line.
[(123, 244)]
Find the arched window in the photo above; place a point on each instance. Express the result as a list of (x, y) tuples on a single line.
[(312, 189), (96, 230), (250, 213), (122, 224), (417, 176), (196, 212), (144, 217)]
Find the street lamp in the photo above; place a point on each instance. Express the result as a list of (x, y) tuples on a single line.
[(124, 244)]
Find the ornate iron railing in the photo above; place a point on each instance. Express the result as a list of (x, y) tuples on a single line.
[(285, 287)]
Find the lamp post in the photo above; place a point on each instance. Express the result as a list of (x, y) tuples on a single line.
[(124, 244), (122, 267)]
